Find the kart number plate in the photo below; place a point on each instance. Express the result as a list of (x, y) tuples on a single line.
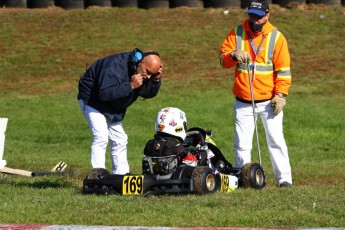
[(224, 185), (133, 185), (228, 183)]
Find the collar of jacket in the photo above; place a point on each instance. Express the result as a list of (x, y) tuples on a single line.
[(267, 28)]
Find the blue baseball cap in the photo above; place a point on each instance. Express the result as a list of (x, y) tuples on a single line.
[(258, 7)]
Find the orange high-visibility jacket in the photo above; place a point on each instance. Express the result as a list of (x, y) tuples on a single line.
[(272, 63)]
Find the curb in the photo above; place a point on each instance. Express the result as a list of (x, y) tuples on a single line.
[(100, 227)]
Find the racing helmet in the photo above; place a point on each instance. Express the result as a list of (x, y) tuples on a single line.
[(171, 121)]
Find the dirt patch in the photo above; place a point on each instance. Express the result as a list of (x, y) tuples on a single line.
[(52, 46)]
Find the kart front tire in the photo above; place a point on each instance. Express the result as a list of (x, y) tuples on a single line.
[(204, 180), (252, 176), (97, 173)]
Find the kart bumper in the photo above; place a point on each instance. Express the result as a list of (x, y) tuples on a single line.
[(137, 185)]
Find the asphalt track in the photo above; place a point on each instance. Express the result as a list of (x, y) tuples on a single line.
[(78, 227)]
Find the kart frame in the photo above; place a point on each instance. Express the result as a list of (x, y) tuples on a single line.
[(217, 175)]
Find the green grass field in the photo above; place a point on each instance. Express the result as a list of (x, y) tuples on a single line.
[(44, 52)]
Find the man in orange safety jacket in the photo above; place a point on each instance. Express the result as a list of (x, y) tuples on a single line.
[(260, 55)]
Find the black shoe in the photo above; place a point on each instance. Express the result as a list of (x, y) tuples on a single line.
[(285, 185)]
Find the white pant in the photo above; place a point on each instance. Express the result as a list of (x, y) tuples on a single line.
[(103, 130), (273, 124)]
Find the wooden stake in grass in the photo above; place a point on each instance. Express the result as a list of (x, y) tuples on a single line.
[(56, 170)]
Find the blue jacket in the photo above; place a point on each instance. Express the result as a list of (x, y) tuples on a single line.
[(105, 86)]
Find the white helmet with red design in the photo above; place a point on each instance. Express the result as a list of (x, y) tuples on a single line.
[(171, 121)]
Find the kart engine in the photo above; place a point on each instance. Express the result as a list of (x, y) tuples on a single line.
[(159, 165)]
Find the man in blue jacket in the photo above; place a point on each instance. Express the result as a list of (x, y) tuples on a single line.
[(106, 90)]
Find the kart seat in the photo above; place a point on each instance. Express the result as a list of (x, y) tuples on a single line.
[(194, 138)]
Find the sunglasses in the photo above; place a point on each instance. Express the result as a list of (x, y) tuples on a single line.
[(256, 17)]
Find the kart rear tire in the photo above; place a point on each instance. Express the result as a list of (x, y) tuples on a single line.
[(204, 180), (252, 176), (97, 173)]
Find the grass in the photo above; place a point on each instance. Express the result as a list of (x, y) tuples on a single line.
[(43, 54)]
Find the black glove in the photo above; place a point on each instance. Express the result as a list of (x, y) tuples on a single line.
[(145, 89)]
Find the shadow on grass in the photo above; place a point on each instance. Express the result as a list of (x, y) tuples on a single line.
[(44, 182)]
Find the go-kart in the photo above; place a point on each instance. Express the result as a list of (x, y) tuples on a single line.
[(205, 171)]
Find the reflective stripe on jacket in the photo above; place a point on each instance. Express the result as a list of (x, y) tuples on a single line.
[(272, 72)]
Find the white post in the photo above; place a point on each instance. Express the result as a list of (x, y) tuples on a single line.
[(3, 126)]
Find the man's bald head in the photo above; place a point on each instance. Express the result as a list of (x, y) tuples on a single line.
[(150, 64)]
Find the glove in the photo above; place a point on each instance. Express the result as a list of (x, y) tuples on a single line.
[(241, 56), (278, 103), (146, 88)]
